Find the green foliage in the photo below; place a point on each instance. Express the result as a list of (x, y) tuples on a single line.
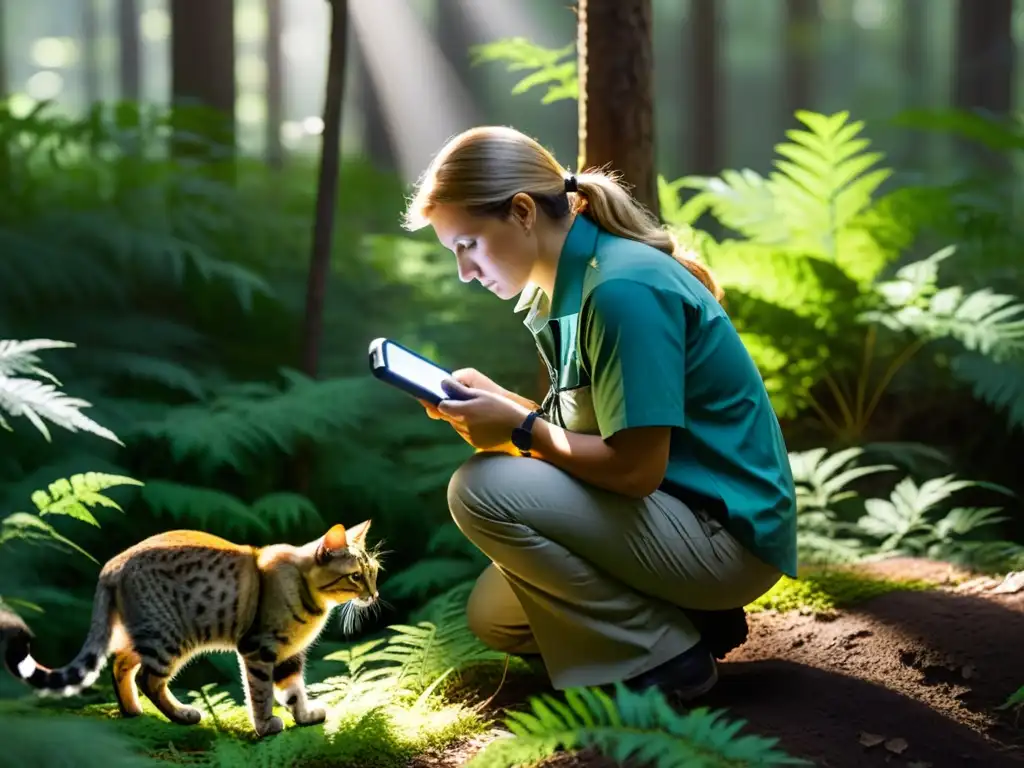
[(835, 524), (631, 726), (450, 560), (83, 743), (554, 68)]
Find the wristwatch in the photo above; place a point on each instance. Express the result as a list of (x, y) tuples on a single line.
[(522, 436)]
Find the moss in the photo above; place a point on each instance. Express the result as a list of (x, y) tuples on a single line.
[(823, 590)]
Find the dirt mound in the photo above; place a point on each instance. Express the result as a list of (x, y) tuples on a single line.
[(904, 679)]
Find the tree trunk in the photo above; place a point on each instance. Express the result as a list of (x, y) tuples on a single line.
[(983, 75), (327, 190), (130, 60), (915, 69), (616, 99), (203, 67), (90, 64), (803, 42), (984, 55), (275, 84), (706, 87)]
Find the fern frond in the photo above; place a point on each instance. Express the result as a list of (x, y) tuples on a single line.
[(432, 575), (905, 512), (283, 511), (825, 180), (555, 68), (819, 479), (203, 508), (257, 419), (983, 321), (21, 526), (19, 356), (48, 740), (37, 401), (639, 727), (1000, 385), (73, 496)]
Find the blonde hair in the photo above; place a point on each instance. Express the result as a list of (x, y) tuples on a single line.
[(483, 168)]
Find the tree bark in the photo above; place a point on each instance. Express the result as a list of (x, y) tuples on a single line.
[(275, 84), (616, 99), (706, 87), (327, 190), (130, 60), (203, 65)]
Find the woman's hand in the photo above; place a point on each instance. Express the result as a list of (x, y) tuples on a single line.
[(484, 419)]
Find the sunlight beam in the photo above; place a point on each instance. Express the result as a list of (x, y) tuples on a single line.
[(421, 98)]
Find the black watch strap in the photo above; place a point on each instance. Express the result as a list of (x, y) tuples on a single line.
[(522, 436)]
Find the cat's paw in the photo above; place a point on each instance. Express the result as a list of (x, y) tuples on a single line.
[(272, 726), (187, 716), (312, 716)]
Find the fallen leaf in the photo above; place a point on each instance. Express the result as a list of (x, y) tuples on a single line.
[(870, 739), (897, 746)]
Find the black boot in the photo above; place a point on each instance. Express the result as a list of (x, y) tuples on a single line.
[(687, 676)]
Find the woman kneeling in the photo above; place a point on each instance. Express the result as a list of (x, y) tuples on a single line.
[(631, 515)]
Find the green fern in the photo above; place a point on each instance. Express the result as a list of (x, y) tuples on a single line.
[(906, 523), (639, 727), (69, 497), (983, 321), (1000, 385), (38, 401), (255, 420), (822, 483), (813, 203), (555, 68), (451, 560), (431, 650)]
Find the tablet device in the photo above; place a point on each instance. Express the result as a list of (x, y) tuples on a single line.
[(412, 373)]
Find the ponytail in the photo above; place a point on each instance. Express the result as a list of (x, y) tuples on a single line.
[(614, 209)]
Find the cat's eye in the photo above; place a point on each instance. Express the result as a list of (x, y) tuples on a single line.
[(356, 577)]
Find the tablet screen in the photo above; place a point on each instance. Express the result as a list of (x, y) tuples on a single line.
[(417, 370)]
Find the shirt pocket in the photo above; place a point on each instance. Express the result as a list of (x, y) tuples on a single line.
[(575, 410)]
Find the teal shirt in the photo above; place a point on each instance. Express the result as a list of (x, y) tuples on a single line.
[(632, 339)]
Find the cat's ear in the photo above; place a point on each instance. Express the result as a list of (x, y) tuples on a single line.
[(357, 533), (333, 541)]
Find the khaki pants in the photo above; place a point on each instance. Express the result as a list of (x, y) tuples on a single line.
[(591, 580)]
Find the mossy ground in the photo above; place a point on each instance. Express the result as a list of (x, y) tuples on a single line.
[(825, 590)]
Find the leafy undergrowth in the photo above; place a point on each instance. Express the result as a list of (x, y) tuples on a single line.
[(397, 697), (823, 590)]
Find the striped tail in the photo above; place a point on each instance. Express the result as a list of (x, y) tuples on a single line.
[(72, 678)]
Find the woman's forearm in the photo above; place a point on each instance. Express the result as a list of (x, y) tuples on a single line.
[(523, 401), (624, 464)]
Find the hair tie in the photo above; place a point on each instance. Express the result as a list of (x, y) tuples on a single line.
[(571, 185)]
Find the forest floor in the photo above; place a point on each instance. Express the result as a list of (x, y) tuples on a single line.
[(907, 678)]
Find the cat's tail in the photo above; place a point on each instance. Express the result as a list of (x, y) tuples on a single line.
[(15, 637)]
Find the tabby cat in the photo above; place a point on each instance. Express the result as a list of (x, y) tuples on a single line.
[(180, 593)]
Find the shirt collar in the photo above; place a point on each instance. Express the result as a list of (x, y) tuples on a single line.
[(577, 252)]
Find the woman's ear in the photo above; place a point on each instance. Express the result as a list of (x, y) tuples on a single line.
[(524, 211)]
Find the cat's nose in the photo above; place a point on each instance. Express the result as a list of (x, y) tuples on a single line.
[(376, 594)]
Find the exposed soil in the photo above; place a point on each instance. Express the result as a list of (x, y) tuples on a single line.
[(905, 679)]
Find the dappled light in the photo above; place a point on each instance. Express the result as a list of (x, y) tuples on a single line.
[(775, 244)]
